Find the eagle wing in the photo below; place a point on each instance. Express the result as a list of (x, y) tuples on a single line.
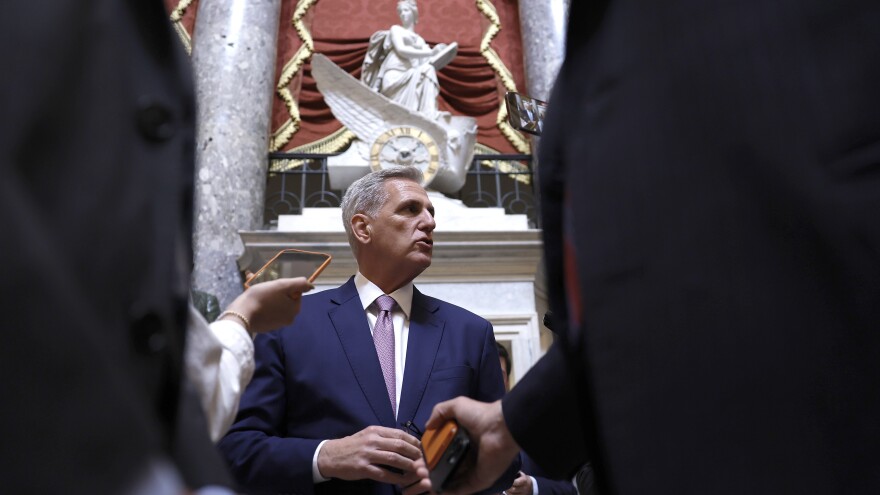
[(364, 111)]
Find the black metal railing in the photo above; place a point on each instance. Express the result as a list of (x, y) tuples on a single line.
[(300, 180)]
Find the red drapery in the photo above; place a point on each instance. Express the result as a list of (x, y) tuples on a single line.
[(340, 29)]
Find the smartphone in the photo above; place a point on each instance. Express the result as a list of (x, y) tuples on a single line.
[(291, 263), (524, 113), (444, 449)]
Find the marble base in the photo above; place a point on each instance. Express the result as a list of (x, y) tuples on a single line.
[(450, 215)]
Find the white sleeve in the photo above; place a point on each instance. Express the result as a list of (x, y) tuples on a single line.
[(219, 362)]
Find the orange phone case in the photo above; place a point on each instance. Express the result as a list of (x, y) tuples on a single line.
[(436, 440), (444, 449), (269, 263)]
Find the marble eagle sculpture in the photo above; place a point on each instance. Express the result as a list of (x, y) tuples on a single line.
[(441, 145)]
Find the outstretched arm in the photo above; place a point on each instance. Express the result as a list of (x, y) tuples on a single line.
[(220, 357)]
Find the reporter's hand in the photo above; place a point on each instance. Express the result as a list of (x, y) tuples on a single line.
[(271, 305), (522, 485), (367, 455), (492, 442)]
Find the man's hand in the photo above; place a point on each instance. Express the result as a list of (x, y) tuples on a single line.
[(493, 444), (271, 305), (522, 485), (422, 484), (369, 453)]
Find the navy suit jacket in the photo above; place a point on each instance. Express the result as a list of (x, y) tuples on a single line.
[(320, 378)]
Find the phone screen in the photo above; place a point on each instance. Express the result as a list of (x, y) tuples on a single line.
[(524, 113), (291, 263)]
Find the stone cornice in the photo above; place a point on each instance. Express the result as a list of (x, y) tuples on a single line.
[(458, 256)]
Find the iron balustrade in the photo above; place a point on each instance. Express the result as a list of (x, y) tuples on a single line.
[(300, 180)]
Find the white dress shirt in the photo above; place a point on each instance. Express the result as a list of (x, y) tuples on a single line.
[(219, 362), (368, 292)]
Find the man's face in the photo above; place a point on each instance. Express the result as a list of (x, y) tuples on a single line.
[(504, 373), (402, 230)]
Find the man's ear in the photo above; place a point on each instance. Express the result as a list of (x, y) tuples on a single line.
[(360, 227)]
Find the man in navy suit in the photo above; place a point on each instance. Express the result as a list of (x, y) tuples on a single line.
[(324, 412)]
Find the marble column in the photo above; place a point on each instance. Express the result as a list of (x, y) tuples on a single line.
[(234, 48), (542, 23)]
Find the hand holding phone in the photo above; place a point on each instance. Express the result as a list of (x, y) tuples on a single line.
[(291, 263), (445, 448)]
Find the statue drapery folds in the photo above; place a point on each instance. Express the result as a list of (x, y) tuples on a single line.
[(400, 64)]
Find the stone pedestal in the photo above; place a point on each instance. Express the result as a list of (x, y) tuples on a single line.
[(484, 261)]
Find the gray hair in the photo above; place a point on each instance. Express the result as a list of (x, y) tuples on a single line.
[(367, 195)]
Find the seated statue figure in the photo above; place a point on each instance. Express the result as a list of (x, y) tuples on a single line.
[(400, 65)]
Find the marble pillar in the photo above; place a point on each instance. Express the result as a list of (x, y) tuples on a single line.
[(234, 48), (542, 23)]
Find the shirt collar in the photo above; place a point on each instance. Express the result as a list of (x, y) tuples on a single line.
[(368, 292)]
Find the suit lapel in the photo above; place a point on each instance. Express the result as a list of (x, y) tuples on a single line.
[(425, 330), (353, 330)]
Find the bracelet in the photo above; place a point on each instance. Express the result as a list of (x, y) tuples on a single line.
[(243, 318)]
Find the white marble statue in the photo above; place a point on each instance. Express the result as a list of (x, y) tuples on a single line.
[(400, 65), (393, 110)]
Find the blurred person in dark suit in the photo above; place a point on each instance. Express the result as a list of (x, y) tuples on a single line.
[(531, 479), (96, 171), (710, 177)]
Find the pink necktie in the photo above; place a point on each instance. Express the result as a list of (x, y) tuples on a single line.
[(383, 337)]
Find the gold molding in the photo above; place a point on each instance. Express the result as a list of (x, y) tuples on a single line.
[(517, 171), (501, 71), (338, 140), (176, 18), (285, 132), (330, 144)]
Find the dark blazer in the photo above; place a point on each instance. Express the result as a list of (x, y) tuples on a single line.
[(320, 379), (96, 171), (546, 484), (710, 184)]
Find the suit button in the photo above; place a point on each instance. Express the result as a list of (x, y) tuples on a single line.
[(155, 120), (147, 333)]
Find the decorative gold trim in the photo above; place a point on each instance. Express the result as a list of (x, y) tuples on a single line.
[(285, 132), (501, 71), (333, 143), (341, 138), (176, 18), (518, 169)]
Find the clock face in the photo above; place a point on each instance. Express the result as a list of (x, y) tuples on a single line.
[(406, 146)]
